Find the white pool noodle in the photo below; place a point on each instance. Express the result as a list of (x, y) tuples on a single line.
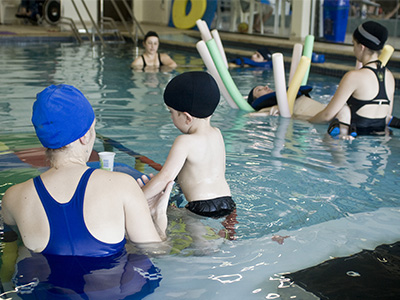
[(218, 41), (204, 31), (208, 61), (296, 55), (280, 84)]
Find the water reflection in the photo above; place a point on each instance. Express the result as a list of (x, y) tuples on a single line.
[(121, 276)]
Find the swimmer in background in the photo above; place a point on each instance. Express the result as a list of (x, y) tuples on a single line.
[(72, 209), (263, 99), (261, 58), (197, 157), (151, 59)]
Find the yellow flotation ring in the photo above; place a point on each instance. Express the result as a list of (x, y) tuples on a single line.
[(183, 21)]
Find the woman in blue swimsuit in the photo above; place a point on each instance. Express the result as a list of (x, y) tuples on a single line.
[(72, 209), (364, 96), (151, 59)]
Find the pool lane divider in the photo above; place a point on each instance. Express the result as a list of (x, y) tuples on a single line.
[(122, 148), (224, 76)]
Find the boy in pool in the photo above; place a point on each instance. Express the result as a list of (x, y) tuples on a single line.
[(197, 157)]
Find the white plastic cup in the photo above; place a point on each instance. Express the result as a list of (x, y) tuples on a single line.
[(107, 160)]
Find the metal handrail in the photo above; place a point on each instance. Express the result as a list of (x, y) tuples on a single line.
[(83, 23), (73, 27), (134, 20), (93, 23), (122, 19)]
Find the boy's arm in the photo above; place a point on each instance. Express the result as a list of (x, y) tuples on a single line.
[(173, 165)]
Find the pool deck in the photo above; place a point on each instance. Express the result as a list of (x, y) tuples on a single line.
[(244, 44)]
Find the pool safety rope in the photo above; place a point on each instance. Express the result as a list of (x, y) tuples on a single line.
[(130, 152)]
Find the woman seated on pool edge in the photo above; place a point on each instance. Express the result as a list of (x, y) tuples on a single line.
[(151, 58), (72, 209)]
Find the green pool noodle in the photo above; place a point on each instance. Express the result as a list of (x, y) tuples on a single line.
[(307, 52), (226, 77)]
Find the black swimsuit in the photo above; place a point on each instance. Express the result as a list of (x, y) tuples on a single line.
[(370, 125), (144, 61), (215, 208)]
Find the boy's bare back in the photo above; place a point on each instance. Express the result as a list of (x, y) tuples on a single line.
[(202, 176), (197, 157)]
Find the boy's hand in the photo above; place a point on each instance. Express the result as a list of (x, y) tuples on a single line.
[(144, 179)]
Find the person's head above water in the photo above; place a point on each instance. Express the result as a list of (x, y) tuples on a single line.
[(61, 115), (371, 34), (258, 92), (150, 34), (196, 93), (262, 54), (263, 96)]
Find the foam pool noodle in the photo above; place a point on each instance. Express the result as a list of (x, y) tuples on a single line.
[(297, 81)]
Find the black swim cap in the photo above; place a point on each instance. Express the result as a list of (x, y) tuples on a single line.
[(250, 97), (196, 93), (265, 53), (371, 34), (149, 34)]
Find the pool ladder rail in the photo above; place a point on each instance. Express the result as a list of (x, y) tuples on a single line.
[(107, 25)]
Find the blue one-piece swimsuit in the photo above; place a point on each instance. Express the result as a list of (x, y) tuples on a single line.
[(68, 232)]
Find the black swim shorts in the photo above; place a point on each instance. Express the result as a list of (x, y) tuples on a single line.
[(215, 208)]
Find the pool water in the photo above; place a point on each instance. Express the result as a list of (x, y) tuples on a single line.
[(324, 197)]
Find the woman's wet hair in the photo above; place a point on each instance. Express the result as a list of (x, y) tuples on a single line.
[(149, 34)]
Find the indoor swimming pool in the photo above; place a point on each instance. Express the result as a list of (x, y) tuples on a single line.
[(302, 197)]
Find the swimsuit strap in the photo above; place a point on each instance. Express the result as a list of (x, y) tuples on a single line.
[(159, 59), (68, 232), (144, 62), (378, 62), (380, 75)]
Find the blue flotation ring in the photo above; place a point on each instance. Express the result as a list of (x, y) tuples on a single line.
[(241, 61)]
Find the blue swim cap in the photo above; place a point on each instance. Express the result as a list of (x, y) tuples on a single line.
[(61, 114)]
